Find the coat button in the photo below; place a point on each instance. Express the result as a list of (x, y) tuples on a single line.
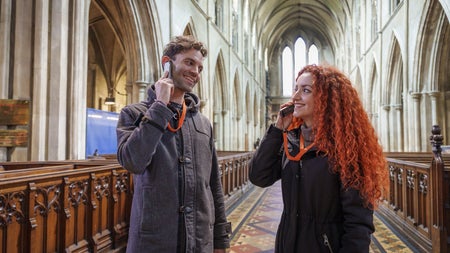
[(188, 209), (184, 159)]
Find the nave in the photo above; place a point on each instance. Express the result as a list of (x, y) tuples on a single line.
[(255, 220)]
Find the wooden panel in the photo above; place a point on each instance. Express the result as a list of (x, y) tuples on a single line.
[(13, 138), (14, 112), (84, 207)]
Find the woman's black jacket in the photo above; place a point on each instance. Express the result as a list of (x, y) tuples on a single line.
[(318, 215)]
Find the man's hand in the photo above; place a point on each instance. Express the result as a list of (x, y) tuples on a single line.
[(164, 88)]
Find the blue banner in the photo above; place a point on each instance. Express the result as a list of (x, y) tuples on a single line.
[(101, 135)]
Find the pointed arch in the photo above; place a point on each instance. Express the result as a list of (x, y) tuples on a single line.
[(220, 105), (256, 110), (394, 89), (221, 83), (237, 96), (358, 83), (199, 88), (141, 43), (372, 103), (248, 106), (393, 97), (432, 71)]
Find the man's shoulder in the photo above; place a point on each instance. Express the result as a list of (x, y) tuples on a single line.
[(136, 107)]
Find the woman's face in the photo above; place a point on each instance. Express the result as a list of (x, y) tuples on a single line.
[(303, 98)]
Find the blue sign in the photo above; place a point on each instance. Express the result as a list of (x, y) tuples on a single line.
[(101, 135)]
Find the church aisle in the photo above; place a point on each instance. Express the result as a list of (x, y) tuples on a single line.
[(255, 221)]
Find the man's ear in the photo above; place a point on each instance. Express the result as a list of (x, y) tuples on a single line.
[(165, 59)]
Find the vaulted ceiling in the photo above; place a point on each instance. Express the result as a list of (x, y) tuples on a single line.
[(281, 21)]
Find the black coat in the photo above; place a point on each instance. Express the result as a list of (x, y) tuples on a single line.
[(316, 207)]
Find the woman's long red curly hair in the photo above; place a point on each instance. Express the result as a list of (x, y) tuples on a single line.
[(343, 130)]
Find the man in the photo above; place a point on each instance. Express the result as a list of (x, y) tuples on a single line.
[(178, 203)]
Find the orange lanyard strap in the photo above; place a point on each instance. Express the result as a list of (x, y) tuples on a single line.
[(180, 119), (303, 150)]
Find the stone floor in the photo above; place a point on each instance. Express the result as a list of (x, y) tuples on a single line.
[(255, 220)]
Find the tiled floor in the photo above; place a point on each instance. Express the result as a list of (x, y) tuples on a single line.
[(255, 222)]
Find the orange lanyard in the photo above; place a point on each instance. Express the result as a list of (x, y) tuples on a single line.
[(180, 119), (303, 150)]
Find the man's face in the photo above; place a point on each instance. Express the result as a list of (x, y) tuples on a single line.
[(186, 69)]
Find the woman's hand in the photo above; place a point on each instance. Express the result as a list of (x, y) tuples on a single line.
[(284, 122)]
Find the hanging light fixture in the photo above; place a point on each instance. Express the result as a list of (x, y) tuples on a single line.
[(110, 100)]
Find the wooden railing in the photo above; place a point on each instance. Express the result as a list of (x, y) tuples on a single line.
[(417, 202), (80, 206)]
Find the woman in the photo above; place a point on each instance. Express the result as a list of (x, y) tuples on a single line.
[(331, 167)]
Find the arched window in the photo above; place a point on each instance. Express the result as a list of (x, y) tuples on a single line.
[(218, 12), (300, 54), (292, 65), (288, 76), (313, 55), (235, 25)]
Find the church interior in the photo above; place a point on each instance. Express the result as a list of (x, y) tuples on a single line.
[(67, 68)]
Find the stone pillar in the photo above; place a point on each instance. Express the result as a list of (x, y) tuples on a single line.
[(434, 96), (78, 50), (5, 45), (225, 130), (416, 121), (5, 28), (142, 91), (386, 129), (217, 121), (399, 125), (40, 78), (58, 81), (129, 91), (20, 61)]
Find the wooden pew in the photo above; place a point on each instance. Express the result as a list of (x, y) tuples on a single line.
[(76, 207), (30, 172), (80, 205), (418, 200)]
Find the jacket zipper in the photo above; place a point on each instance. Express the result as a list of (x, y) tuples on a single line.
[(327, 242)]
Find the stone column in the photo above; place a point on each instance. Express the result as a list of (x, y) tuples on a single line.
[(40, 78), (225, 130), (416, 121), (5, 45), (58, 81), (400, 131), (78, 50), (386, 128), (434, 96), (142, 90), (217, 125)]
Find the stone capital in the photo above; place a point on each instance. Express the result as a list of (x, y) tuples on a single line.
[(434, 94), (397, 107), (415, 95)]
